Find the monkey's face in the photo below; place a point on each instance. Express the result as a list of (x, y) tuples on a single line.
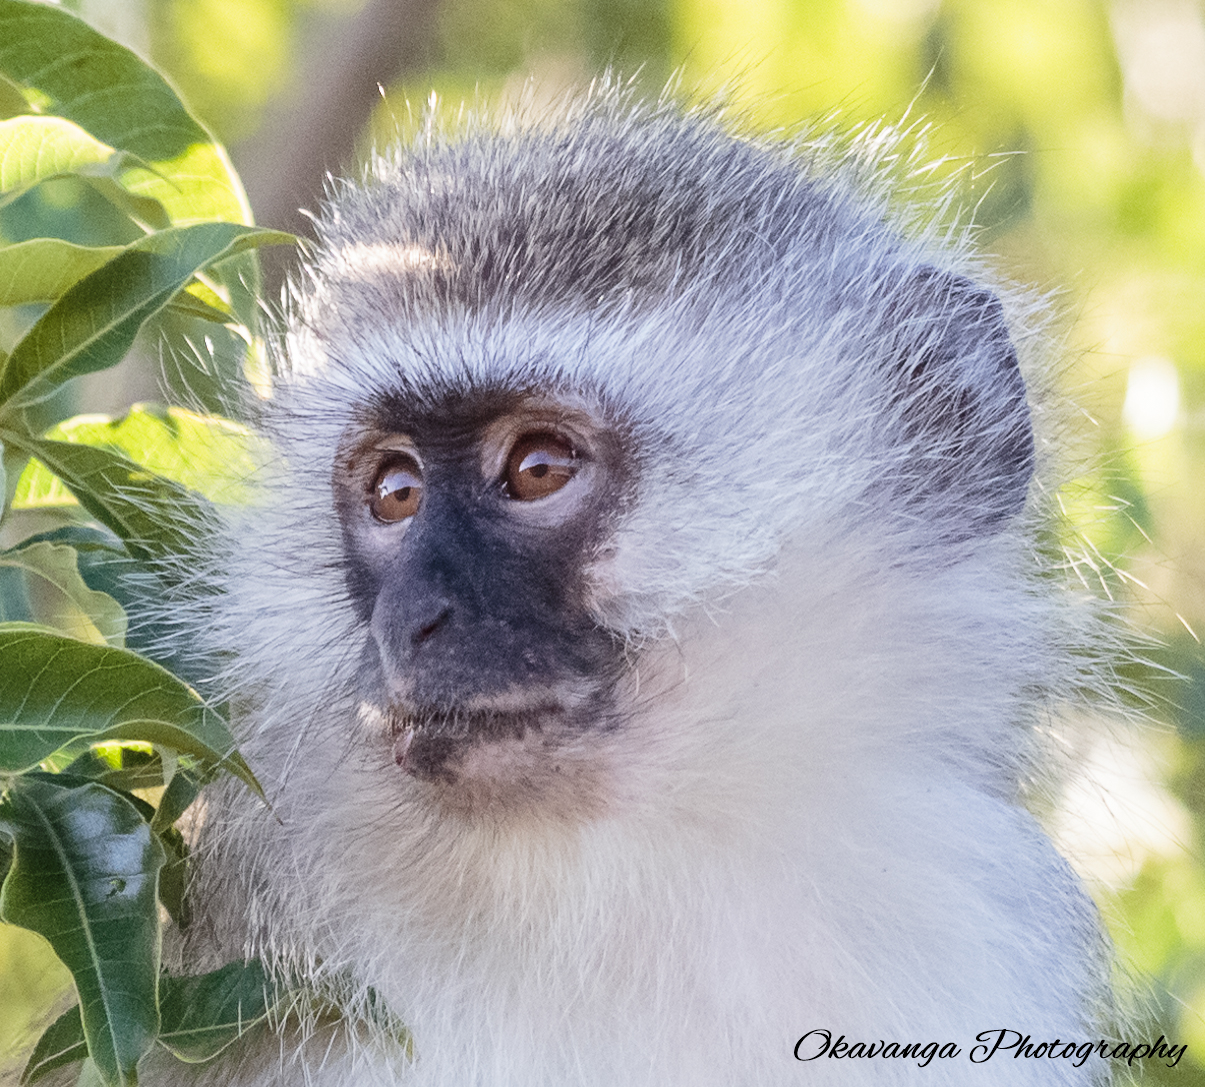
[(469, 525)]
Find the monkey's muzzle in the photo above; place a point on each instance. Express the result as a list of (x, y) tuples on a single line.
[(434, 745)]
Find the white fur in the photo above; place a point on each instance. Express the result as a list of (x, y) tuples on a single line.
[(809, 815)]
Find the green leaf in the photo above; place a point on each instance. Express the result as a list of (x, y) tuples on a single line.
[(41, 270), (12, 464), (62, 1043), (84, 876), (140, 588), (41, 583), (188, 304), (206, 453), (55, 691), (34, 149), (199, 1017), (154, 517), (64, 67), (184, 787), (38, 487), (119, 767), (202, 1015), (146, 213), (173, 876), (94, 323), (173, 164), (91, 1076)]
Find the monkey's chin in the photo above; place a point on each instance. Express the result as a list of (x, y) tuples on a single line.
[(540, 760)]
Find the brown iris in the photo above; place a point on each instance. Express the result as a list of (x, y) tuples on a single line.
[(397, 489), (539, 465)]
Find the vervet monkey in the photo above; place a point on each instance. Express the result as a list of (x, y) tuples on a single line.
[(643, 637)]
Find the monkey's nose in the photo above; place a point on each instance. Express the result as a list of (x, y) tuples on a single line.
[(422, 631)]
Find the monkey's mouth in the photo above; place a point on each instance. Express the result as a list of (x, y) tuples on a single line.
[(437, 744), (519, 753)]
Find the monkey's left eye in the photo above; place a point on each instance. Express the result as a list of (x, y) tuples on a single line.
[(396, 490), (539, 465)]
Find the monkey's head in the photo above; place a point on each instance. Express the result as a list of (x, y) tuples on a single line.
[(549, 396)]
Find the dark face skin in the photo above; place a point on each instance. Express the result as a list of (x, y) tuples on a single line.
[(469, 527)]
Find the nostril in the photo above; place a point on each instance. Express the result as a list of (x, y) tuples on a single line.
[(425, 630)]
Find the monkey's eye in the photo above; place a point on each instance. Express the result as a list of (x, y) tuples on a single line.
[(396, 490), (538, 465)]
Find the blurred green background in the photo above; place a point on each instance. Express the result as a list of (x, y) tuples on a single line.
[(1077, 130)]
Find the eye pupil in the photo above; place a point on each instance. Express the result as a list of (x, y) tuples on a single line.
[(539, 465), (396, 490)]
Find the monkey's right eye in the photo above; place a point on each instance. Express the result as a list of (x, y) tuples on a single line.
[(538, 465), (396, 490)]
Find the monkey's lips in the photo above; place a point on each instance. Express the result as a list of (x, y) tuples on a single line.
[(520, 754), (445, 744)]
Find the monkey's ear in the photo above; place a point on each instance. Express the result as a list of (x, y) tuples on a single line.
[(962, 402)]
